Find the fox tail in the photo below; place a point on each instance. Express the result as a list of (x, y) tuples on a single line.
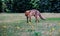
[(41, 17)]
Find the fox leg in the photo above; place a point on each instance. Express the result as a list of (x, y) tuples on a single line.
[(29, 18), (36, 17)]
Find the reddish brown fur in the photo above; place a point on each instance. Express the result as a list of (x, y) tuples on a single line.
[(34, 13)]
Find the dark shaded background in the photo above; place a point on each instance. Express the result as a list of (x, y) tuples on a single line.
[(19, 6)]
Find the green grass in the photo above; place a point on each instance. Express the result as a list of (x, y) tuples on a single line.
[(21, 28), (54, 19)]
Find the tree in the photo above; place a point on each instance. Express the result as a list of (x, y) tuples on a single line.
[(20, 6), (0, 6)]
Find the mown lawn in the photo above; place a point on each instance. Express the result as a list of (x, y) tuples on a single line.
[(15, 25)]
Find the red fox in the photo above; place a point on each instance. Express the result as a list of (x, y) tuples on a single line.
[(34, 13)]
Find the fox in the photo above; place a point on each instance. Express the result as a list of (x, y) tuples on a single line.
[(33, 12)]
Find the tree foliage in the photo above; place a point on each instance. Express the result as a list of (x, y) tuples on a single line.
[(15, 6), (0, 6)]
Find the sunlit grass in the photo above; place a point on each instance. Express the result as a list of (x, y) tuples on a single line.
[(11, 25)]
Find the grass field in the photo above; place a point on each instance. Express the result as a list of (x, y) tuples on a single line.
[(14, 24)]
